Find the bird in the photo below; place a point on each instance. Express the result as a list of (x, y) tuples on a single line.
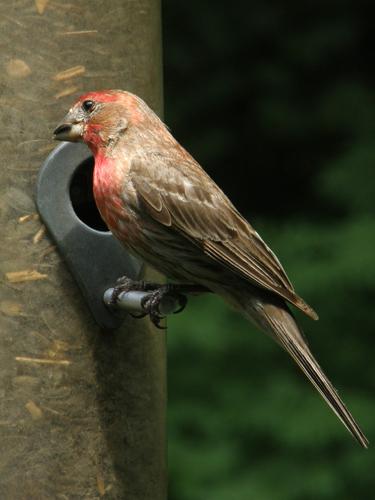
[(166, 210)]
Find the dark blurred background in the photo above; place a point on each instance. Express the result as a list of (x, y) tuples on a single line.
[(277, 102)]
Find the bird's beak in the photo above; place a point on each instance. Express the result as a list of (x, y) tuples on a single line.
[(70, 129)]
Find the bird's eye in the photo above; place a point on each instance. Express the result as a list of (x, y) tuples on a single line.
[(88, 105)]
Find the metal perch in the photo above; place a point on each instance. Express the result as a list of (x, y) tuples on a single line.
[(132, 302)]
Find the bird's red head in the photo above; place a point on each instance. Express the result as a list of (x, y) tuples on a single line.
[(100, 117)]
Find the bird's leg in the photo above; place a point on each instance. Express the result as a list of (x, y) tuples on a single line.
[(151, 302), (125, 284)]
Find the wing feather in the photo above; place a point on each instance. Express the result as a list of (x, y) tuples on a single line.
[(181, 195)]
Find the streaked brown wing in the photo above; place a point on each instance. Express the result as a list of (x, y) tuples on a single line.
[(181, 195)]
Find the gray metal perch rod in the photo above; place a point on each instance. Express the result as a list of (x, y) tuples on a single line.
[(132, 302)]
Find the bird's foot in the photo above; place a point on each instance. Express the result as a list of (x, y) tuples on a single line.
[(160, 296), (125, 284), (152, 303)]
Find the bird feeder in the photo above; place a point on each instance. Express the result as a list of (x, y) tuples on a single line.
[(82, 408)]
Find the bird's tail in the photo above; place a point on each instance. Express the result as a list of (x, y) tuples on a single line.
[(273, 316)]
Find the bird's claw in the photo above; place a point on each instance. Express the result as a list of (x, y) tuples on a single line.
[(151, 302), (125, 284), (150, 305), (182, 301)]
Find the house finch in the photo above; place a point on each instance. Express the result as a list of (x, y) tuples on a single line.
[(165, 209)]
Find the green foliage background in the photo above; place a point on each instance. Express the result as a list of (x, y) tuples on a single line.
[(277, 101)]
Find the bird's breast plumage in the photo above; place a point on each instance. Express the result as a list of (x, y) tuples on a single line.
[(109, 186)]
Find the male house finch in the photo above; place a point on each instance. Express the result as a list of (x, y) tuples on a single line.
[(165, 209)]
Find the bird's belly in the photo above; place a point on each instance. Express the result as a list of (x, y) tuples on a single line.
[(165, 251), (162, 248)]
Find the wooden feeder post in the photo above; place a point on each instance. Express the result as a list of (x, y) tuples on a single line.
[(82, 411)]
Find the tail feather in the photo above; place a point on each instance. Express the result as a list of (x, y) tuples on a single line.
[(278, 321)]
